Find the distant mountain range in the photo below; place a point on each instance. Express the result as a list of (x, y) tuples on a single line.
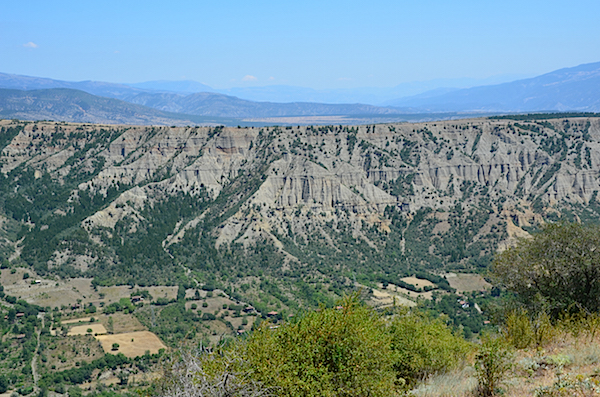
[(272, 93), (65, 104), (168, 102), (213, 104), (569, 89), (110, 90)]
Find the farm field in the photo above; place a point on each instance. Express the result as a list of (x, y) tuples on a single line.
[(467, 282), (83, 330), (418, 282), (131, 344), (386, 297)]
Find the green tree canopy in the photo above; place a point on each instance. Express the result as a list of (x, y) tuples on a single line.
[(556, 270)]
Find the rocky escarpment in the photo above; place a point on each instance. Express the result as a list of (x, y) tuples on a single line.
[(421, 196)]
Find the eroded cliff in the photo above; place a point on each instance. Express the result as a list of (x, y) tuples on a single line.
[(332, 201)]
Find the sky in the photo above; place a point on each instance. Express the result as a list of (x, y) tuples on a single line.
[(317, 44)]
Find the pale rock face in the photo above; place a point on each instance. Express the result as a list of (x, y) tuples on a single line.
[(124, 205), (319, 173)]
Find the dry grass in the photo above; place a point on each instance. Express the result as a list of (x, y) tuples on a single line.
[(132, 344), (463, 282), (571, 361), (48, 292), (391, 288), (418, 282), (461, 383), (121, 322), (387, 297), (83, 330), (77, 320), (116, 292)]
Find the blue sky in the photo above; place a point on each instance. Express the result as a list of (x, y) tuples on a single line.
[(317, 44)]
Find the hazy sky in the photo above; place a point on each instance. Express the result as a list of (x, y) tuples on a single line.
[(318, 44)]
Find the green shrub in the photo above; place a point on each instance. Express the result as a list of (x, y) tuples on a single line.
[(349, 351), (75, 392), (326, 353), (492, 363), (25, 390), (521, 331), (544, 330), (423, 346), (518, 329)]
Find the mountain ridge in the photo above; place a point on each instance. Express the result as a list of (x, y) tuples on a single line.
[(67, 104), (567, 89)]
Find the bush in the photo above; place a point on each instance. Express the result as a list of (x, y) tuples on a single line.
[(518, 329), (208, 317), (327, 353), (75, 392), (492, 363), (423, 346), (350, 351), (25, 390)]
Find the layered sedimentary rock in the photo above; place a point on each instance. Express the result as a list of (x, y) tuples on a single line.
[(307, 175)]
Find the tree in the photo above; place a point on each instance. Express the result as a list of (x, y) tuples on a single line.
[(3, 384), (123, 377), (115, 346), (75, 392), (556, 270)]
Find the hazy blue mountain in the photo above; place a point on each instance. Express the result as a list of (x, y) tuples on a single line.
[(64, 104), (184, 86), (369, 95), (184, 102), (570, 89), (111, 90), (576, 88), (213, 104), (272, 93)]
